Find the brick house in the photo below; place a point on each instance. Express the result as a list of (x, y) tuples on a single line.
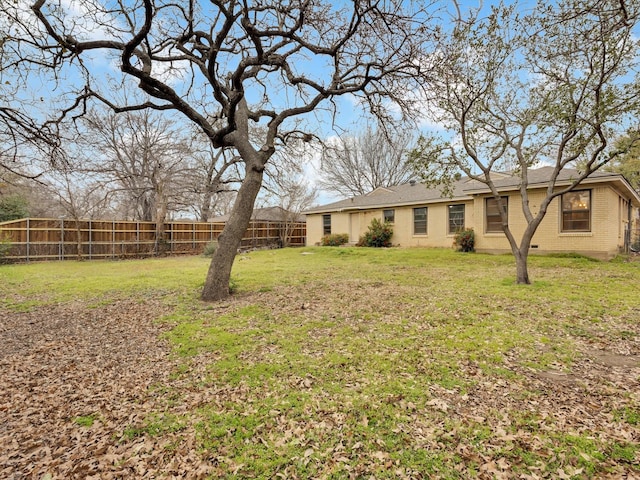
[(595, 219)]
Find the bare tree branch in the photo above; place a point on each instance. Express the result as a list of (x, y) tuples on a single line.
[(555, 85)]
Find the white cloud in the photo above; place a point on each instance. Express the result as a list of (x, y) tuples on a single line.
[(171, 73), (312, 171), (89, 23)]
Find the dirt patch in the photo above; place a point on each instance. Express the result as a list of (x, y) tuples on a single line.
[(557, 377), (610, 359)]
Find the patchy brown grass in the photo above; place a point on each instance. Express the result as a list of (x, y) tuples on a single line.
[(341, 364)]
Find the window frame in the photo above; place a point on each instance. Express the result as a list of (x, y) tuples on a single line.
[(451, 231), (326, 225), (505, 201), (392, 215), (426, 218), (564, 228)]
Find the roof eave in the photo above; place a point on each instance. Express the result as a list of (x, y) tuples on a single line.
[(559, 183), (378, 206)]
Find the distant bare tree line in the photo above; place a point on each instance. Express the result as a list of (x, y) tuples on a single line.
[(143, 166)]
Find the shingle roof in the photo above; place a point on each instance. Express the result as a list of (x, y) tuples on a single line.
[(538, 177), (416, 193), (406, 194)]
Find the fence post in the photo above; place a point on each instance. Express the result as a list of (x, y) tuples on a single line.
[(28, 238), (258, 234), (61, 249)]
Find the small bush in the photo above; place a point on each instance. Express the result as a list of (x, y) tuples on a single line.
[(465, 240), (334, 240), (378, 235), (13, 207), (5, 246), (210, 248)]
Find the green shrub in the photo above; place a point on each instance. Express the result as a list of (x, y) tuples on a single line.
[(5, 247), (13, 207), (378, 235), (465, 240), (210, 248), (334, 240)]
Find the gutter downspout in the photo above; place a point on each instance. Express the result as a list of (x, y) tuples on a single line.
[(627, 236)]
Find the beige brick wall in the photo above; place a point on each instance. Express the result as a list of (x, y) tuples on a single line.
[(314, 229), (604, 239), (341, 222), (357, 223), (608, 218), (437, 225)]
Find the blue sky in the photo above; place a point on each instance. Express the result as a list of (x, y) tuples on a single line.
[(350, 117), (45, 93)]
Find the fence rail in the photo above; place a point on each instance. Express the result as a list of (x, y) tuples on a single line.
[(31, 239)]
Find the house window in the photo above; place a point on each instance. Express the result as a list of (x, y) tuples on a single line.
[(420, 221), (389, 215), (494, 220), (326, 224), (456, 218), (576, 211)]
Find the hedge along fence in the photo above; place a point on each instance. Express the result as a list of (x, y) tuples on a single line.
[(63, 239)]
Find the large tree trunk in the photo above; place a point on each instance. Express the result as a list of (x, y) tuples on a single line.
[(216, 286)]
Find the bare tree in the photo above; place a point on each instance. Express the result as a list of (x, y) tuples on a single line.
[(142, 156), (26, 137), (296, 195), (226, 64), (75, 198), (214, 175), (356, 165), (286, 187), (556, 85)]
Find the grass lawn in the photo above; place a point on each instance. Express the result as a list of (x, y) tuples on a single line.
[(376, 363)]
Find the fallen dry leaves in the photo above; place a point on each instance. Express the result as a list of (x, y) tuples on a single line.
[(108, 365), (63, 362)]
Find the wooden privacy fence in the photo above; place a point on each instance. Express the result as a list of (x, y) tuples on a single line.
[(63, 239)]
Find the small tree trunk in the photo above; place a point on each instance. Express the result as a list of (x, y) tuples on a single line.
[(161, 218), (216, 286), (521, 253), (522, 271), (205, 206)]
